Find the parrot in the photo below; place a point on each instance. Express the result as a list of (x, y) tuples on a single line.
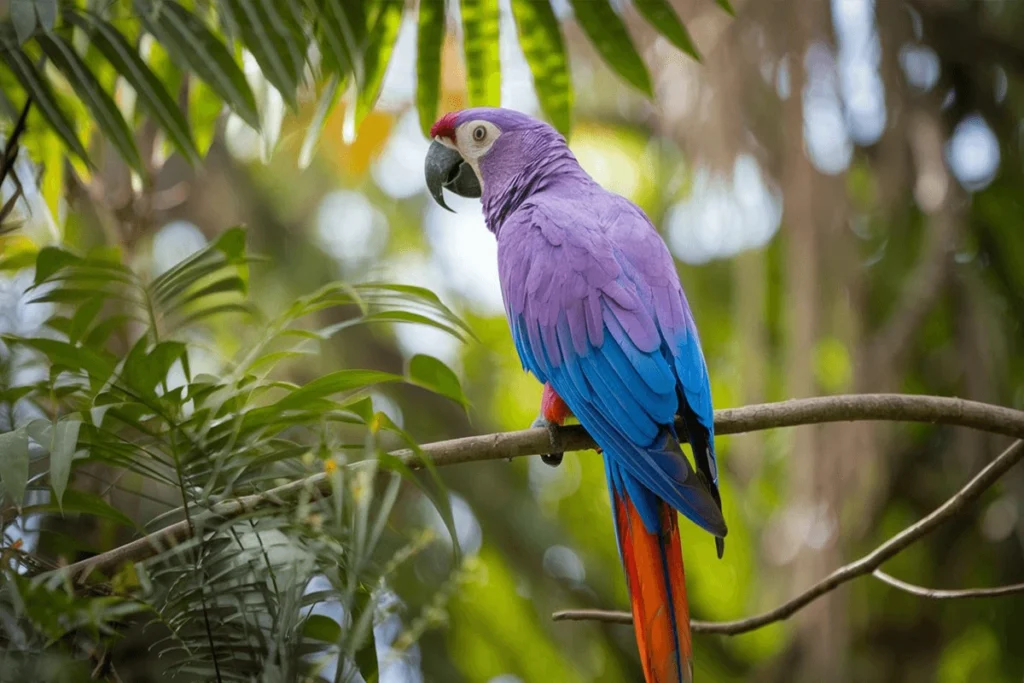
[(598, 315)]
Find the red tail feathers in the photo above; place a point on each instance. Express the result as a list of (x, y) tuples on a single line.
[(657, 587)]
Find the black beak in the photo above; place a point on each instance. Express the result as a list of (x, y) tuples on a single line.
[(444, 168)]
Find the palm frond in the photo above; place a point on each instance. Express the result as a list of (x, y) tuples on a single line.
[(331, 42)]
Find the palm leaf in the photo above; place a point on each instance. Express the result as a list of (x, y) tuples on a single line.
[(270, 29), (23, 17), (99, 103), (663, 19), (481, 46), (42, 96), (429, 41), (341, 33), (382, 42), (152, 93), (325, 104), (544, 49), (189, 41), (610, 38)]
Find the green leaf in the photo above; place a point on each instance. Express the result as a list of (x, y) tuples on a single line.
[(85, 316), (341, 31), (42, 96), (99, 335), (63, 440), (480, 44), (100, 104), (46, 10), (271, 32), (244, 308), (429, 41), (328, 99), (14, 394), (67, 355), (143, 370), (204, 109), (23, 16), (411, 291), (727, 6), (363, 641), (80, 502), (14, 464), (366, 654), (268, 361), (226, 285), (152, 94), (413, 318), (663, 18), (231, 243), (321, 628), (18, 260), (189, 41), (430, 373), (163, 356), (50, 260), (541, 40), (437, 493), (378, 54), (611, 39), (333, 383)]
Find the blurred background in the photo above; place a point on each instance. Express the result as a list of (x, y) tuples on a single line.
[(839, 183)]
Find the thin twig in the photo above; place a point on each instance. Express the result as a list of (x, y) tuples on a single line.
[(855, 407), (10, 155), (944, 594), (865, 565), (11, 149)]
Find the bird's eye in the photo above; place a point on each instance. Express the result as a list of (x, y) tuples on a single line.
[(479, 133)]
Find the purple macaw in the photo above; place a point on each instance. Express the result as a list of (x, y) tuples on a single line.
[(598, 315)]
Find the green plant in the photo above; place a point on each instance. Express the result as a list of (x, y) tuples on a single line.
[(124, 60), (120, 392)]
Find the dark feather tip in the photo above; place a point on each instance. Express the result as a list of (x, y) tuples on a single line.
[(720, 546)]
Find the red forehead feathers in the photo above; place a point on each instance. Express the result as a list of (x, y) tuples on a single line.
[(445, 126)]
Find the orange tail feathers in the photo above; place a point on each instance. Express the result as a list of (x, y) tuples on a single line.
[(657, 587)]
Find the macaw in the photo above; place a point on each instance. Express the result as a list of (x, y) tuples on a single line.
[(599, 317)]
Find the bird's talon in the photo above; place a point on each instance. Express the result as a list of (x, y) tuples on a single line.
[(552, 459)]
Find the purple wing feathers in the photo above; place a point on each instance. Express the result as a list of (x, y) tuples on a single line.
[(597, 311)]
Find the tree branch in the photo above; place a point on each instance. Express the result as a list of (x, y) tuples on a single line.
[(865, 565), (941, 594), (893, 407)]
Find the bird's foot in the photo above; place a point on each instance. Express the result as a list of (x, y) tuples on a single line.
[(555, 458)]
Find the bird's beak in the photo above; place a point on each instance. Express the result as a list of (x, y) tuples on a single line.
[(445, 168)]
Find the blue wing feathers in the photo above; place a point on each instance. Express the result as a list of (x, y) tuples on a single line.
[(639, 426), (610, 332), (610, 410)]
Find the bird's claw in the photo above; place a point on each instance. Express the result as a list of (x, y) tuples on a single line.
[(552, 459)]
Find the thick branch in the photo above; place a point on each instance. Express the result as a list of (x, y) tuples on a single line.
[(865, 565), (893, 407)]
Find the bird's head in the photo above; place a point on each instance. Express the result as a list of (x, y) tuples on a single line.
[(470, 146)]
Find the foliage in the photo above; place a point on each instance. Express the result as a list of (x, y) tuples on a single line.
[(798, 504), (124, 59), (120, 391)]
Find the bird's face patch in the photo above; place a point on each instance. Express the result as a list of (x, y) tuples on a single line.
[(461, 140), (475, 138), (472, 139)]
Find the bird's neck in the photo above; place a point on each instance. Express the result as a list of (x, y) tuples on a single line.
[(508, 183)]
